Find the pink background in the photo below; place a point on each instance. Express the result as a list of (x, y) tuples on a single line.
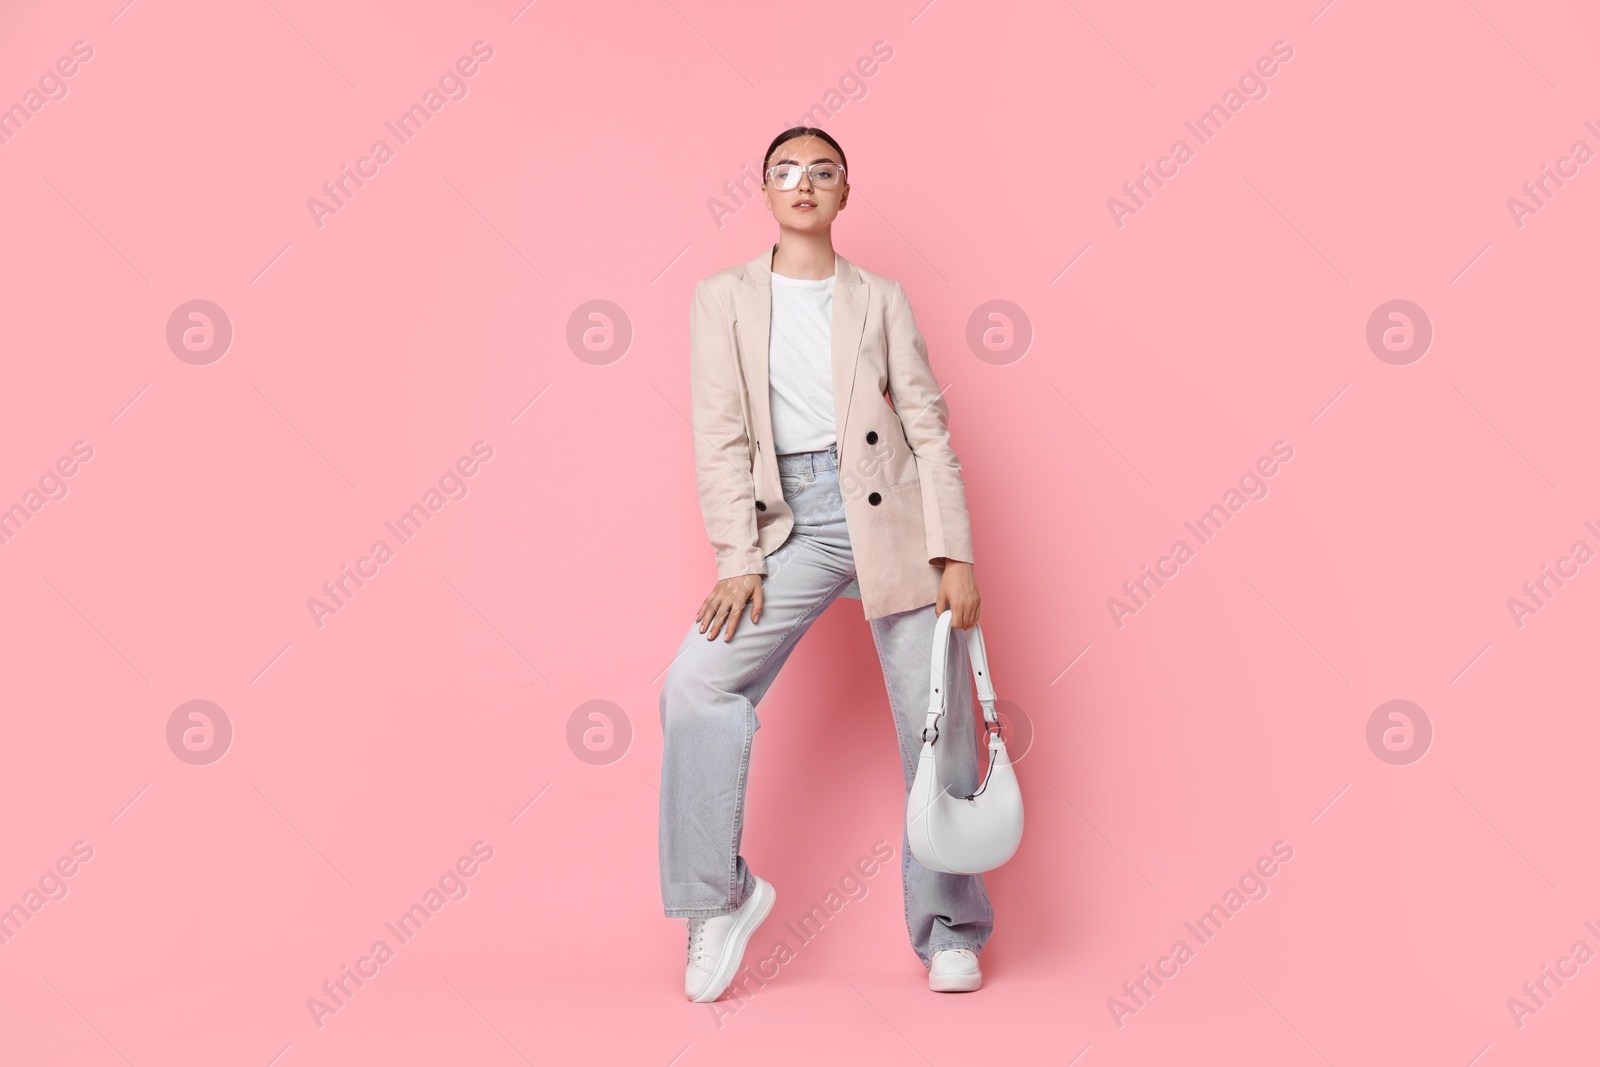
[(432, 312)]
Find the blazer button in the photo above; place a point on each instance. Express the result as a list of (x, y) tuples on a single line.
[(875, 498), (760, 506), (872, 437)]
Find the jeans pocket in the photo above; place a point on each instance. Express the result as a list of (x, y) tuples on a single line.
[(791, 484)]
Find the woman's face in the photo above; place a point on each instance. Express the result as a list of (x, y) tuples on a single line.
[(805, 207)]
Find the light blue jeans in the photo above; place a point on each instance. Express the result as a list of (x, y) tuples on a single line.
[(708, 721)]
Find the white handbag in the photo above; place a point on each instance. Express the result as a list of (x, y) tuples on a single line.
[(980, 831)]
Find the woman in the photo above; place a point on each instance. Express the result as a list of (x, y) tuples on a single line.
[(822, 457)]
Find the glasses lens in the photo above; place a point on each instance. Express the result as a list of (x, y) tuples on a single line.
[(826, 176), (786, 176)]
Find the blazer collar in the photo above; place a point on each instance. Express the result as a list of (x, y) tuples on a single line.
[(753, 301)]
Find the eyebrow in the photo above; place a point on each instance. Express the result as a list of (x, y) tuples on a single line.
[(820, 159)]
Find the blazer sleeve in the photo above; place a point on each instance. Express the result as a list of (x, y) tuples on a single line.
[(926, 418), (721, 445)]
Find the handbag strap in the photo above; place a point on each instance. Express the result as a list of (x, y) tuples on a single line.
[(937, 680)]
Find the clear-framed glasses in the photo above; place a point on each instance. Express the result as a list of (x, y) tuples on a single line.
[(786, 176)]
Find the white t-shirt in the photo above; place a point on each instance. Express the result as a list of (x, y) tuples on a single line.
[(800, 364)]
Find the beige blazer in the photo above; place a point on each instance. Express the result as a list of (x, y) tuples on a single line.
[(904, 500)]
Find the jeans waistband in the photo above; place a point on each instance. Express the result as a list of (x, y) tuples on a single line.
[(822, 459)]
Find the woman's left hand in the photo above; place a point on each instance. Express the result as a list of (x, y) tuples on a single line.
[(958, 590)]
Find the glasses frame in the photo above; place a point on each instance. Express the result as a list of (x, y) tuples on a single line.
[(824, 163)]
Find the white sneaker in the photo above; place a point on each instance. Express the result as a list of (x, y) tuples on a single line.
[(716, 943), (954, 970)]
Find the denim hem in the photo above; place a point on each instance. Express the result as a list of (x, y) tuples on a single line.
[(934, 950), (699, 913)]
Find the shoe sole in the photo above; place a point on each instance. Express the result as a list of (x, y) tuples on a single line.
[(955, 983), (733, 952)]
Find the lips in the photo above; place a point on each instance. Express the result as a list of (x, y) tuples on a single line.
[(804, 203)]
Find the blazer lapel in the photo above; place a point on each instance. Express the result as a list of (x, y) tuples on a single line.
[(753, 302), (849, 325)]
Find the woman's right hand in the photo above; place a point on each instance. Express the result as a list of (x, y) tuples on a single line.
[(726, 604)]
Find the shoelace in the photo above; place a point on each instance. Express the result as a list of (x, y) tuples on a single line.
[(697, 929)]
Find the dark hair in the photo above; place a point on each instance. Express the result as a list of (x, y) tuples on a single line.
[(801, 131)]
